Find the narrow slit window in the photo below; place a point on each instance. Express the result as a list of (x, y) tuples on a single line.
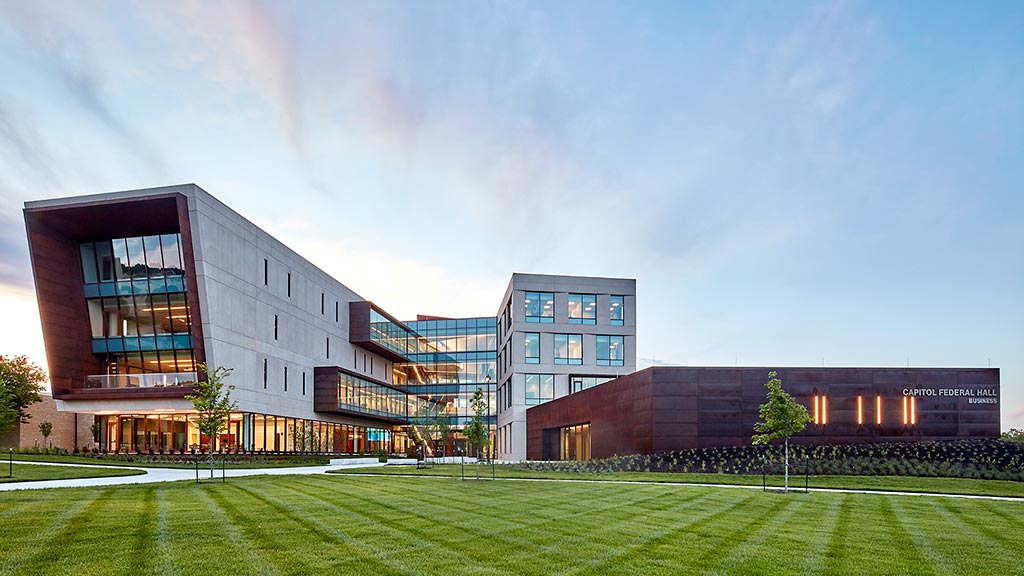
[(860, 410), (264, 373), (289, 284), (266, 270), (285, 378), (878, 410), (275, 326)]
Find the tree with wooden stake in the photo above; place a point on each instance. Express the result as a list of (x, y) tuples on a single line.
[(782, 417), (46, 428), (476, 432), (212, 401)]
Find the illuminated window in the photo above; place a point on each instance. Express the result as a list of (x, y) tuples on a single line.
[(539, 307), (531, 347), (609, 351), (860, 410), (616, 311), (582, 309), (569, 349), (909, 410), (539, 388), (878, 410), (820, 409)]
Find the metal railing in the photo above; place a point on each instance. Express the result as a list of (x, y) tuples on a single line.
[(140, 380)]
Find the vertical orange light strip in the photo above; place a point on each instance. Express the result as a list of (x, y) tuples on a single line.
[(816, 420), (860, 410), (878, 410), (913, 410), (824, 409), (904, 410)]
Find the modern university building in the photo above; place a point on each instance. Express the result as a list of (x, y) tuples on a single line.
[(136, 288)]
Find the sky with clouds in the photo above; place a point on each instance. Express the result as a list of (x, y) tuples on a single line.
[(837, 183)]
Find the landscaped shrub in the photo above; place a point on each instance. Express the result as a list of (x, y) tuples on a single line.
[(979, 458)]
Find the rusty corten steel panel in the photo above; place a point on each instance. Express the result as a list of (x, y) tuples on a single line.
[(670, 408)]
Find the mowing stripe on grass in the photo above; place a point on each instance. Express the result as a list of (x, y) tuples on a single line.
[(822, 533), (835, 553), (989, 536), (419, 526), (731, 561), (54, 548), (247, 541), (737, 538), (20, 540), (164, 538), (904, 545), (599, 565), (326, 534), (1015, 520), (140, 560)]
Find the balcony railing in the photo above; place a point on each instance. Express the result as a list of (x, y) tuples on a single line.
[(141, 380)]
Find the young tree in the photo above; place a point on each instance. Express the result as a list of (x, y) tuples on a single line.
[(95, 428), (476, 432), (782, 417), (212, 401), (46, 428), (21, 381)]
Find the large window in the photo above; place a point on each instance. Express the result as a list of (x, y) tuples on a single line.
[(131, 258), (582, 309), (615, 310), (569, 349), (539, 388), (609, 351), (531, 347), (581, 383), (139, 315), (575, 442), (539, 307)]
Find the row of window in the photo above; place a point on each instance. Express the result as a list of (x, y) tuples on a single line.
[(288, 292), (568, 349), (539, 307), (820, 410), (139, 315), (131, 258)]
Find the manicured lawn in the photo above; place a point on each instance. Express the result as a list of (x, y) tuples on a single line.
[(883, 483), (143, 461), (27, 472), (399, 525)]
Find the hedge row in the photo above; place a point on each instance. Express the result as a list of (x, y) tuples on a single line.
[(983, 459)]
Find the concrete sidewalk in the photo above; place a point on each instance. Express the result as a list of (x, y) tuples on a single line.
[(153, 475)]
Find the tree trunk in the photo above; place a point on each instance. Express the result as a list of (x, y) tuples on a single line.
[(211, 458), (787, 466)]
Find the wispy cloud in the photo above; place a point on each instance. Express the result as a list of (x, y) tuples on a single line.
[(51, 30)]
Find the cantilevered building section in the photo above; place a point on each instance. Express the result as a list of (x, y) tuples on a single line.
[(137, 288)]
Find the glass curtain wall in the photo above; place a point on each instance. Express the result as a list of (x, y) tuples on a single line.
[(455, 358), (137, 304), (246, 432)]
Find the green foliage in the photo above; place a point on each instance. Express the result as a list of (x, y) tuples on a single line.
[(212, 401), (45, 428), (781, 415), (967, 458), (476, 433), (1014, 435), (21, 381)]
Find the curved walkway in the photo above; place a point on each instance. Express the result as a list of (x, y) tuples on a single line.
[(151, 475), (176, 474)]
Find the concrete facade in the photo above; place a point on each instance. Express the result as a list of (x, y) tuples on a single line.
[(513, 327)]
